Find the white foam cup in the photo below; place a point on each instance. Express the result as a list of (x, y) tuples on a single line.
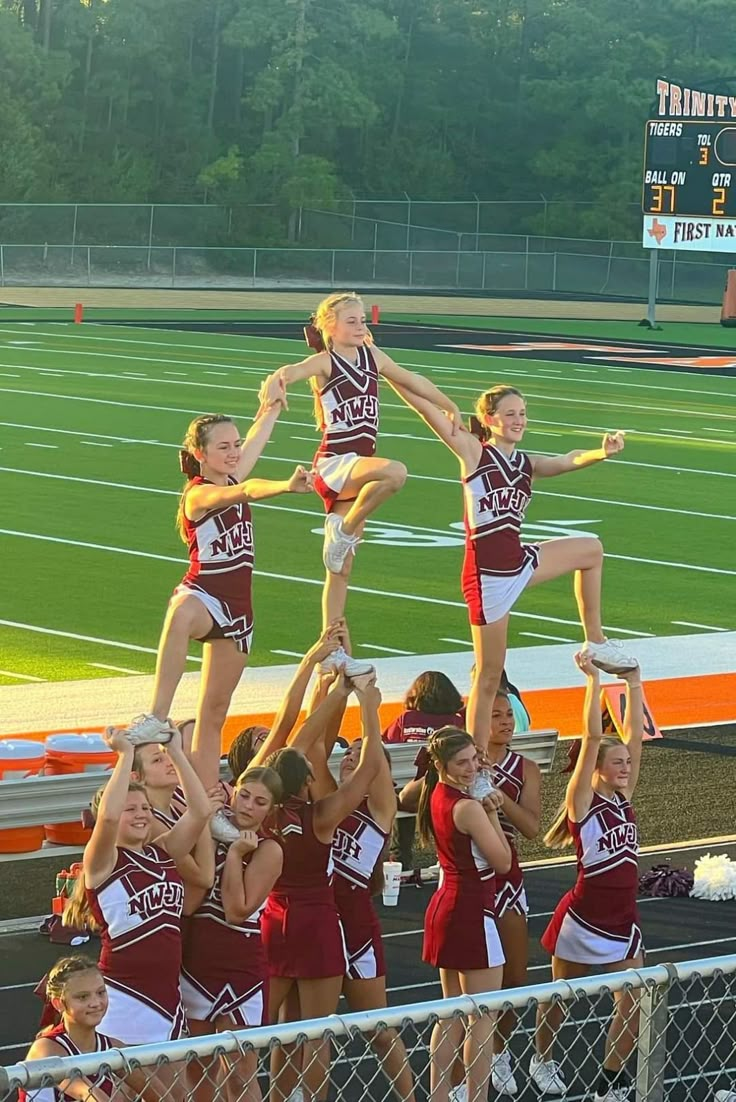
[(391, 883)]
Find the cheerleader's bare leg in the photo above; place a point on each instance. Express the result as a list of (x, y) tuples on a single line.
[(222, 668), (624, 1028), (514, 934), (551, 1015), (445, 1043), (478, 1049), (583, 557), (186, 618), (489, 645), (370, 994)]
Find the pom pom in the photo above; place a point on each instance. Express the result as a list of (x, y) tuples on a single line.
[(663, 880), (715, 878), (313, 337)]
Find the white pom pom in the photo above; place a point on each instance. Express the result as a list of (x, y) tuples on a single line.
[(715, 878)]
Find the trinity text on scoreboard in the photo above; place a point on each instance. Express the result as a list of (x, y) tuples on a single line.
[(689, 180)]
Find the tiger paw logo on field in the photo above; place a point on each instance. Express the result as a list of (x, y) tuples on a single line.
[(658, 231)]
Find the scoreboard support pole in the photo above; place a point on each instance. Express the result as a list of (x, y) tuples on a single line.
[(650, 322)]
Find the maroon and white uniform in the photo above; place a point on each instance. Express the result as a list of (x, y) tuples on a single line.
[(508, 776), (138, 908), (459, 925), (349, 407), (221, 567), (300, 925), (497, 565), (224, 969), (101, 1080), (357, 849), (597, 921), (415, 726), (177, 807)]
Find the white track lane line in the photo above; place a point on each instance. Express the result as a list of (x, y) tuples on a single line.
[(86, 638), (554, 638), (116, 669), (690, 624), (21, 676)]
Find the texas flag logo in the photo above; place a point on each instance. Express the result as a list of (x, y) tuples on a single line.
[(658, 231)]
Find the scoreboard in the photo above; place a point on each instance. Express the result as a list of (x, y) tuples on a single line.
[(689, 169)]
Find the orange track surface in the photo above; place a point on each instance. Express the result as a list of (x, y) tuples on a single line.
[(674, 702)]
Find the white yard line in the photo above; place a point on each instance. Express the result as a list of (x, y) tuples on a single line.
[(20, 676), (388, 650), (95, 444), (115, 669), (191, 410), (30, 444), (460, 642), (295, 578), (85, 638), (288, 653), (690, 624), (554, 638)]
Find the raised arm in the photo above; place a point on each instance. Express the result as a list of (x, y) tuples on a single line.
[(291, 704), (330, 811), (546, 466), (580, 787), (100, 853), (633, 731), (313, 367), (466, 447), (418, 386), (181, 839)]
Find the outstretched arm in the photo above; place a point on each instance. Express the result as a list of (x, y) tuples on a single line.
[(418, 386), (546, 466), (181, 839), (466, 447), (633, 731), (100, 853), (580, 788)]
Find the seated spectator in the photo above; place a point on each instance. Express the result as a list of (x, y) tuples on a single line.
[(431, 702)]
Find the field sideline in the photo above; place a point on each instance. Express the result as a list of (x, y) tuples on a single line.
[(91, 418)]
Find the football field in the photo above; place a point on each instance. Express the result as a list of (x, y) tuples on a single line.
[(91, 417)]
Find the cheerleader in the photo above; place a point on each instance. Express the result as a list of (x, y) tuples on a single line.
[(76, 990), (497, 487), (517, 780), (301, 926), (224, 974), (358, 849), (460, 935), (132, 893), (213, 602), (596, 924), (351, 480)]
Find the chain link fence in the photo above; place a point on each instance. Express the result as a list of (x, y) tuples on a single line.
[(517, 264), (678, 1021)]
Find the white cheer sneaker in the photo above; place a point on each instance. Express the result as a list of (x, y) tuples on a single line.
[(610, 657), (146, 728), (338, 544), (547, 1076), (354, 667)]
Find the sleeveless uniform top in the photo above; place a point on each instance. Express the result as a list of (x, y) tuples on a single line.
[(607, 847), (220, 546), (209, 932), (508, 776), (308, 863), (101, 1081), (349, 406), (496, 496), (415, 726), (356, 850), (177, 807), (459, 858), (138, 909)]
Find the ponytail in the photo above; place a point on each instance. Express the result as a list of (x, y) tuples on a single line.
[(314, 337), (78, 913), (558, 836), (188, 464), (478, 429), (425, 826)]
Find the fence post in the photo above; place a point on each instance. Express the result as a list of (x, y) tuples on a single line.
[(554, 270), (408, 222), (477, 222), (74, 231), (2, 267), (332, 270), (651, 1043), (483, 272), (173, 266), (526, 265), (89, 267), (674, 261), (457, 268), (411, 269), (255, 264), (150, 237), (375, 248)]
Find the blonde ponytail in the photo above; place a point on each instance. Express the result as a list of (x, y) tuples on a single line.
[(78, 913)]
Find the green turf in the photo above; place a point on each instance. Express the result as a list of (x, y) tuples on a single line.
[(640, 509)]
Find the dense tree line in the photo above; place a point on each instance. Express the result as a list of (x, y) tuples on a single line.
[(304, 102)]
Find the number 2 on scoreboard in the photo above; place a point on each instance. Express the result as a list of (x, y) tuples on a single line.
[(663, 199), (719, 201)]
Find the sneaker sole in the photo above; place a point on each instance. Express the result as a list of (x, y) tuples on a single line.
[(610, 667)]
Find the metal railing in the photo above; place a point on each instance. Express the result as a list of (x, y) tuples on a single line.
[(679, 1020), (40, 800), (532, 265)]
